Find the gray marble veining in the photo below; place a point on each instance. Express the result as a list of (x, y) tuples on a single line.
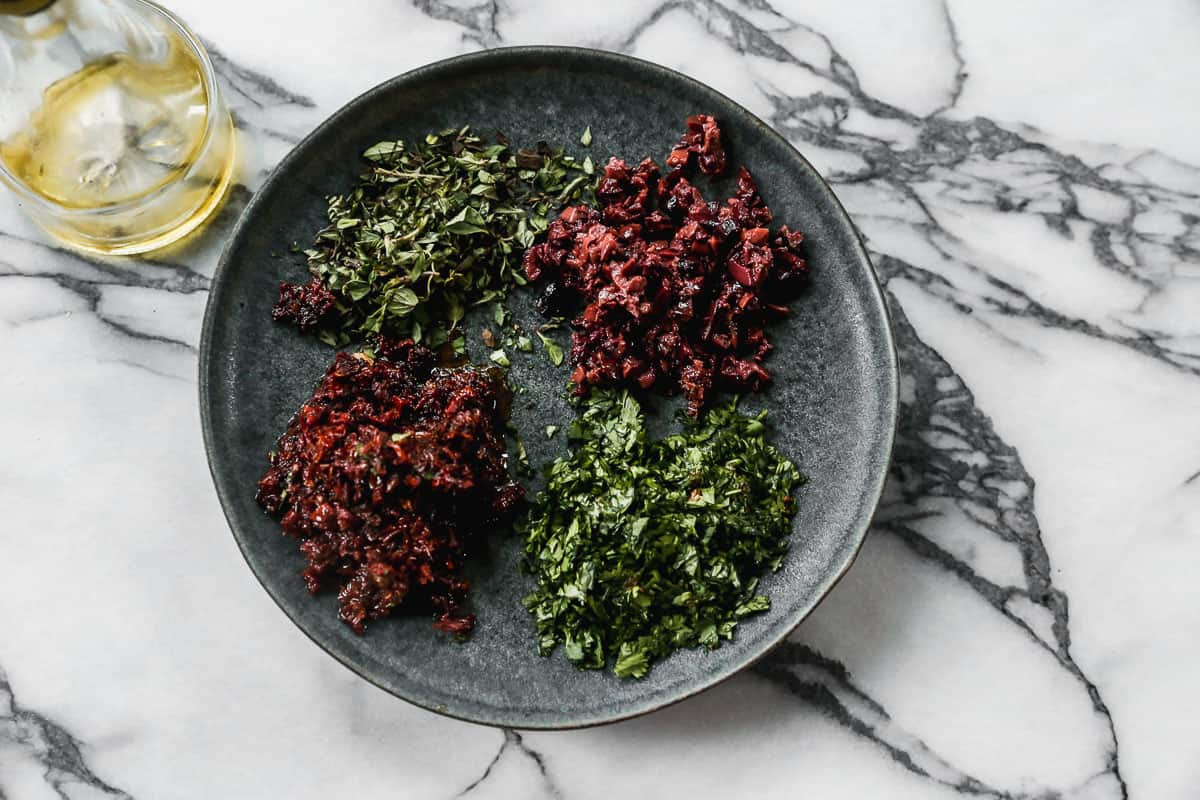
[(1022, 621)]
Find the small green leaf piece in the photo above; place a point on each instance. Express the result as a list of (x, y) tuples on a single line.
[(553, 350)]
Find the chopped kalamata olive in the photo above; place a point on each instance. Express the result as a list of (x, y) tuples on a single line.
[(306, 304), (702, 139), (671, 290), (553, 301)]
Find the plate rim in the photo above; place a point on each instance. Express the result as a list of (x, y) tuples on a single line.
[(890, 401)]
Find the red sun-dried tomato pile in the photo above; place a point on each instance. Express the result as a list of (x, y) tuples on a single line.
[(676, 290), (386, 474)]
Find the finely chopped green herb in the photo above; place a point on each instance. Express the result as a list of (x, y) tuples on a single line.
[(434, 228), (644, 547)]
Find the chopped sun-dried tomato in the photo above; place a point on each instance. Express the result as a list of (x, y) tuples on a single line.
[(386, 475)]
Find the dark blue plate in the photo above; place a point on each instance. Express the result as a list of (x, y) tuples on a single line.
[(833, 402)]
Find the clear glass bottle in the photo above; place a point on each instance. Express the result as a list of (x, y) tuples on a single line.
[(113, 133)]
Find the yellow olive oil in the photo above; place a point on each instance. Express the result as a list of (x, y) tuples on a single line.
[(126, 138)]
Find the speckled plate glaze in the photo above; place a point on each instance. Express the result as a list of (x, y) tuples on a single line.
[(833, 402)]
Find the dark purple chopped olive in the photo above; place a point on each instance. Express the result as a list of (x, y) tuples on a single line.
[(676, 291), (306, 304), (553, 301)]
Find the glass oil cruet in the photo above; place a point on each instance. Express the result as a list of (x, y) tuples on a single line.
[(113, 134)]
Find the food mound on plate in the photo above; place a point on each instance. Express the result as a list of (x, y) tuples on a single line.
[(675, 290), (387, 474)]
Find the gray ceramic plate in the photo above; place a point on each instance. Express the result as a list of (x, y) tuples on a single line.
[(833, 402)]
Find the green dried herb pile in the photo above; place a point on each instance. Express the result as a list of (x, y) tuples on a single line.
[(430, 230)]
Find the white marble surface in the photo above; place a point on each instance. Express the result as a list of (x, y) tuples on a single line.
[(1024, 620)]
